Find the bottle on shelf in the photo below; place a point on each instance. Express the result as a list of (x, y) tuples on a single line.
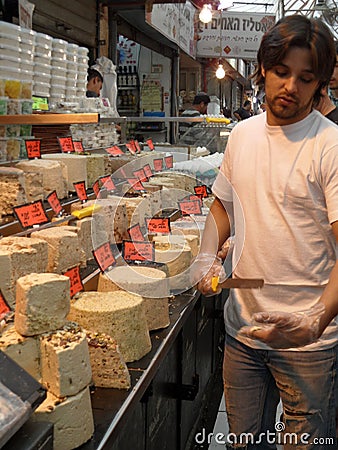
[(126, 77)]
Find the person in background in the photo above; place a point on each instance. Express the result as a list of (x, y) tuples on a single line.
[(327, 107), (199, 107), (279, 180), (244, 112), (94, 83)]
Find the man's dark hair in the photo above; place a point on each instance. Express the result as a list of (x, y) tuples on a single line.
[(298, 31), (201, 97), (92, 73)]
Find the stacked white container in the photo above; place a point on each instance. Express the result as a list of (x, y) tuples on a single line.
[(42, 66), (82, 69), (72, 61), (10, 52), (27, 46), (59, 70)]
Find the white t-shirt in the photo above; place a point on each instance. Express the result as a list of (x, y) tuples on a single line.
[(285, 195)]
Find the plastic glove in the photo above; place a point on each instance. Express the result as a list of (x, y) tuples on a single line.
[(286, 330), (203, 269), (224, 250)]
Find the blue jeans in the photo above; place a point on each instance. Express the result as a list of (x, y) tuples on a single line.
[(255, 380)]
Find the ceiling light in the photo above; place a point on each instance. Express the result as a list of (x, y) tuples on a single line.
[(220, 72), (205, 14)]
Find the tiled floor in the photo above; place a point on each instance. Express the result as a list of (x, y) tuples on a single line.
[(221, 428)]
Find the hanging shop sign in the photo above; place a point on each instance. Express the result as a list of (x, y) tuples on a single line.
[(233, 35), (176, 22)]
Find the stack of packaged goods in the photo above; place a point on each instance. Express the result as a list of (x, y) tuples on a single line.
[(82, 68), (42, 67), (72, 60), (59, 70)]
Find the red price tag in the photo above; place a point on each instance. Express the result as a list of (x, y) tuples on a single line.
[(4, 308), (80, 188), (78, 147), (150, 144), (201, 191), (66, 144), (169, 161), (137, 146), (96, 188), (188, 207), (108, 183), (138, 251), (75, 280), (33, 148), (148, 171), (158, 225), (104, 256), (31, 214), (158, 164), (114, 151), (135, 233), (135, 184), (140, 175), (131, 148), (54, 202)]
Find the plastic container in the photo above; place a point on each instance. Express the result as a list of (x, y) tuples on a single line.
[(9, 50), (58, 71), (59, 44), (42, 68), (61, 63), (12, 88), (70, 92), (12, 130), (43, 50), (9, 62), (59, 54), (10, 29), (13, 106), (40, 58), (56, 90), (13, 146), (3, 148), (41, 78), (27, 66), (41, 89), (82, 51), (59, 81), (26, 89), (72, 57), (26, 106), (3, 106), (25, 130), (12, 41), (83, 60), (72, 48), (42, 39)]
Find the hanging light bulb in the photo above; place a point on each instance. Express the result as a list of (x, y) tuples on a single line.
[(220, 72), (205, 14)]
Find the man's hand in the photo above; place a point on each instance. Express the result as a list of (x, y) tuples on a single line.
[(286, 330), (203, 269)]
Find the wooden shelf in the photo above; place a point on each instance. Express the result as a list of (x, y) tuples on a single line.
[(49, 119)]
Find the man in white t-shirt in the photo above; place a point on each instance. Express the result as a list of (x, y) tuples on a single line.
[(279, 179)]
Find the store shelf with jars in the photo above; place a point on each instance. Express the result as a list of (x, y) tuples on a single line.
[(128, 91)]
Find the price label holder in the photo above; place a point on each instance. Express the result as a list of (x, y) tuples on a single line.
[(66, 144), (158, 164), (138, 250), (104, 257), (169, 161), (33, 148), (135, 233), (130, 146), (80, 188), (136, 184), (147, 170), (158, 225), (76, 284), (150, 144), (31, 214), (201, 191), (114, 151), (78, 147), (54, 203), (188, 207), (140, 175), (4, 308), (108, 183), (96, 188)]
